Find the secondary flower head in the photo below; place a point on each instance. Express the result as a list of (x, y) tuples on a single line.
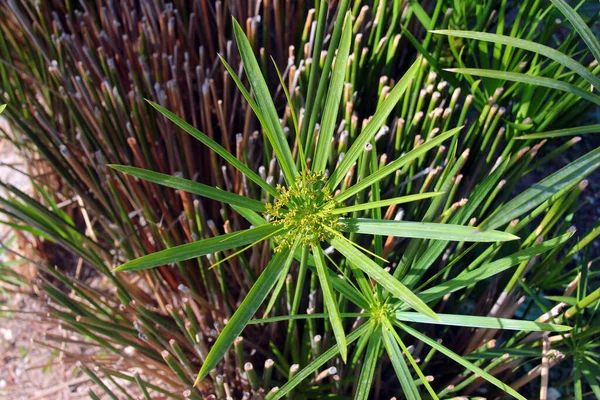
[(304, 211)]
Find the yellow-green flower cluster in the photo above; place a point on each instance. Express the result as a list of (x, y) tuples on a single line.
[(304, 211)]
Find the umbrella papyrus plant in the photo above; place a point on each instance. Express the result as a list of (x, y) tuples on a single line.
[(310, 213)]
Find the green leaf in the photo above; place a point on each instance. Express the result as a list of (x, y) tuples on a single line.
[(481, 322), (246, 310), (467, 277), (330, 304), (386, 280), (334, 95), (274, 131), (552, 186), (217, 148), (384, 203), (530, 79), (409, 389), (530, 46), (580, 130), (199, 248), (394, 165), (191, 187), (580, 26), (460, 360), (423, 230), (370, 361), (2, 107), (376, 122), (316, 364)]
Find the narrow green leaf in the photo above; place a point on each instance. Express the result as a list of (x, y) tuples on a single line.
[(530, 79), (395, 165), (580, 130), (316, 364), (386, 280), (467, 278), (387, 202), (2, 107), (460, 360), (334, 95), (423, 230), (217, 148), (554, 185), (530, 46), (580, 26), (246, 310), (265, 103), (370, 361), (376, 122), (409, 389), (191, 187), (590, 372), (481, 322), (199, 248), (330, 303)]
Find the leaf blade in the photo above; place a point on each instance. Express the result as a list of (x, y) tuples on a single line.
[(530, 46), (197, 249), (265, 103), (216, 147), (332, 101), (481, 322), (395, 165), (373, 126), (424, 230), (330, 303), (553, 185), (191, 187), (245, 311), (531, 80)]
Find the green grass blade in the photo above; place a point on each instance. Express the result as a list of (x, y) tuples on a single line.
[(530, 46), (580, 130), (580, 26), (460, 360), (554, 185), (191, 187), (265, 103), (332, 101), (370, 361), (199, 248), (387, 202), (330, 304), (372, 269), (393, 166), (217, 148), (316, 364), (2, 107), (481, 322), (423, 230), (467, 278), (294, 118), (590, 372), (246, 310), (373, 126), (531, 80), (409, 389)]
